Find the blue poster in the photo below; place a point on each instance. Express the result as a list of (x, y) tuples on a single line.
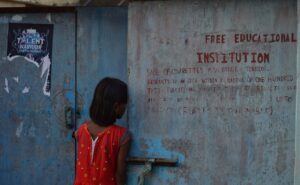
[(34, 43)]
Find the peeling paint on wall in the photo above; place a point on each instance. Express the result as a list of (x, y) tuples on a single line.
[(6, 88), (11, 58), (48, 17), (46, 64), (17, 18), (19, 129), (16, 79), (32, 130), (25, 90)]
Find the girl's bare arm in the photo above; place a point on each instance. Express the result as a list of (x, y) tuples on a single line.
[(121, 164)]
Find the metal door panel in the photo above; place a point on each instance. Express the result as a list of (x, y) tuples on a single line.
[(35, 145), (102, 51)]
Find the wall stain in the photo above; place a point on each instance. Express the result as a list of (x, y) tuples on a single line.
[(183, 146), (281, 156)]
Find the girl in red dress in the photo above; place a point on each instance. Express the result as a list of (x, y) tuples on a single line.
[(102, 145)]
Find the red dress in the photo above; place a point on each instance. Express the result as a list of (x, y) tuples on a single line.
[(100, 168)]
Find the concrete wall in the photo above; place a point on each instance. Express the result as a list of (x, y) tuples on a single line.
[(225, 107), (11, 4), (297, 137), (44, 2)]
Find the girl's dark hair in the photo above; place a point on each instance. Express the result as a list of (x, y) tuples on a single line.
[(108, 92)]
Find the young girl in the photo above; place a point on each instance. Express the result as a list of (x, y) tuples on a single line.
[(102, 145)]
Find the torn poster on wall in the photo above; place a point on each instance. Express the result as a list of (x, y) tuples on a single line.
[(34, 43)]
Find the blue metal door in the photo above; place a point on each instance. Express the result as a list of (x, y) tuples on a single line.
[(36, 147), (101, 52)]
